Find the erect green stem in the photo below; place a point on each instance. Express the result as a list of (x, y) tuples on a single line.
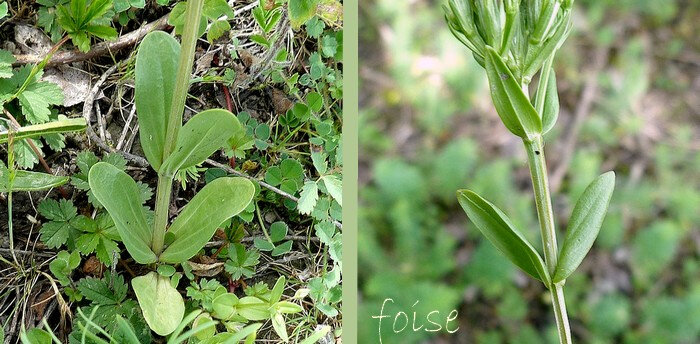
[(182, 83), (11, 173), (184, 73), (543, 202), (160, 222)]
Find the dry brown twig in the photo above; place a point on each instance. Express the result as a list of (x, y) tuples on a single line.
[(99, 49)]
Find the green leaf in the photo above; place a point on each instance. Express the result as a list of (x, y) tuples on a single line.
[(241, 262), (253, 308), (59, 126), (58, 231), (156, 69), (277, 290), (199, 138), (162, 305), (98, 291), (514, 108), (241, 334), (551, 104), (536, 57), (300, 11), (308, 198), (214, 9), (127, 331), (30, 181), (218, 201), (120, 195), (330, 46), (217, 29), (102, 31), (496, 227), (37, 98), (287, 307), (278, 231), (280, 326), (316, 336), (6, 57), (314, 101), (97, 9), (334, 186), (584, 224), (35, 336), (282, 248), (166, 270), (263, 244), (224, 306)]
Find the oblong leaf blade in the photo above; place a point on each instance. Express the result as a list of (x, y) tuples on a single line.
[(156, 69), (119, 194), (55, 127), (162, 305), (28, 180), (200, 137), (512, 105), (219, 200), (584, 225), (496, 227)]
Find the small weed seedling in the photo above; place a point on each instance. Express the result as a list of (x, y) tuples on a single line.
[(513, 41), (163, 70)]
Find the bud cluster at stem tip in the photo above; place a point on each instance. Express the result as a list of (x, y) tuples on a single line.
[(524, 33)]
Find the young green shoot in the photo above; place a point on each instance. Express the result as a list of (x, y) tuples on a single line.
[(163, 72), (514, 41)]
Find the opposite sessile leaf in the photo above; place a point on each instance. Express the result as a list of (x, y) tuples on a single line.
[(584, 224), (512, 105), (499, 230)]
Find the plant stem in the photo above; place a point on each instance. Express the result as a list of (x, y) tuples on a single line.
[(182, 83), (184, 73), (160, 222), (543, 202)]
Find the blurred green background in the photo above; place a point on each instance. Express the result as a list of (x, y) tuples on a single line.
[(629, 83)]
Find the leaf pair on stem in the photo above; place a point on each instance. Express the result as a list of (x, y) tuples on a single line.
[(583, 228), (163, 71)]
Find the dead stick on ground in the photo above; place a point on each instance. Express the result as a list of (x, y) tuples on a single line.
[(99, 49), (87, 114)]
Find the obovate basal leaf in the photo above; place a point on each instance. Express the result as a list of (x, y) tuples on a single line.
[(496, 227), (29, 181), (156, 69), (200, 137), (60, 126), (161, 304), (218, 201), (120, 195), (511, 103), (584, 224)]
